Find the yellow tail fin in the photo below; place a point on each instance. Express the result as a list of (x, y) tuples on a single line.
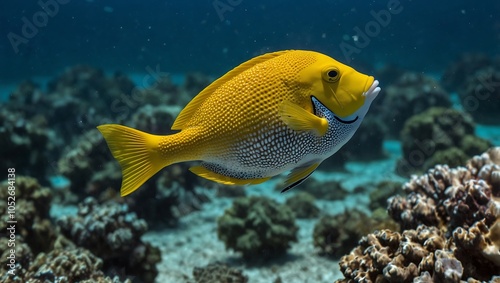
[(136, 151)]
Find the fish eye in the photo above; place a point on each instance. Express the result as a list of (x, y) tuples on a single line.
[(331, 74)]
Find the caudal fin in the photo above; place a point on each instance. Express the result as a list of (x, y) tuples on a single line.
[(136, 151)]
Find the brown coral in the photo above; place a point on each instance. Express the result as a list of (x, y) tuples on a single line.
[(113, 233), (478, 248), (391, 256), (217, 273), (445, 198), (23, 258), (463, 207), (66, 266), (32, 205)]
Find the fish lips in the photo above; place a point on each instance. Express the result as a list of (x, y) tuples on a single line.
[(372, 91)]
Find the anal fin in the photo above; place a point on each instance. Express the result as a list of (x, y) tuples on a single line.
[(223, 179), (298, 175)]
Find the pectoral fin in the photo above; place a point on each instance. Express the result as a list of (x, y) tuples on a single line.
[(300, 119), (298, 175)]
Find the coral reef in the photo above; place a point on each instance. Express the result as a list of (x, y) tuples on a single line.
[(32, 205), (24, 143), (480, 96), (173, 193), (331, 190), (81, 98), (28, 99), (411, 94), (229, 191), (451, 223), (165, 92), (154, 119), (113, 233), (422, 254), (66, 263), (41, 253), (23, 258), (381, 193), (92, 172), (258, 227), (438, 136), (89, 166), (53, 131), (162, 92), (444, 198), (337, 235), (386, 256), (302, 205), (367, 142), (66, 266), (217, 273)]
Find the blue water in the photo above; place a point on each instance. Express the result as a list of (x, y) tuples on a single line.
[(185, 36)]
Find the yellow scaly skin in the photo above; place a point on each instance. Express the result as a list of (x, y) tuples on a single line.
[(237, 111)]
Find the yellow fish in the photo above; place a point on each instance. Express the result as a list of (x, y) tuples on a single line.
[(281, 111)]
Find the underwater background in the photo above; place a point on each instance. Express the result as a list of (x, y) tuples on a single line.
[(414, 196)]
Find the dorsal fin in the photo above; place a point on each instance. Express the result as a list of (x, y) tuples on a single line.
[(194, 104)]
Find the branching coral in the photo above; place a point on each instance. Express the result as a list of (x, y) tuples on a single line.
[(66, 266), (113, 233), (387, 256), (460, 239), (449, 198), (257, 227)]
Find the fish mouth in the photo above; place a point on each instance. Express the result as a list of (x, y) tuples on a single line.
[(314, 99), (372, 91), (370, 95), (346, 121)]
